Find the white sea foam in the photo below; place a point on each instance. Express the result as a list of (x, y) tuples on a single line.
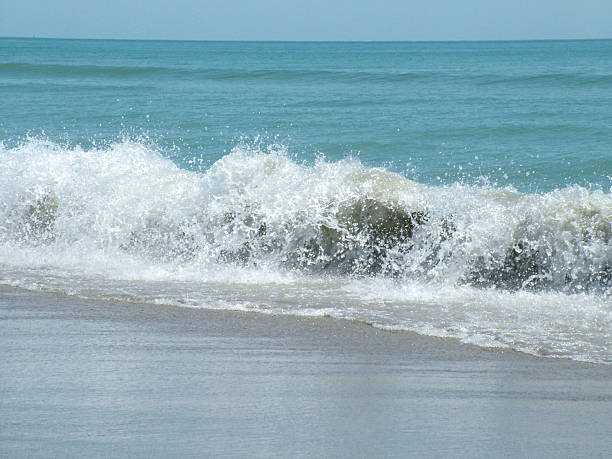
[(259, 231)]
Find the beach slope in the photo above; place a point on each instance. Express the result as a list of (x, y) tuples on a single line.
[(90, 378)]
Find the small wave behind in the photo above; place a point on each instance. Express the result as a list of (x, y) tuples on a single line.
[(569, 79), (21, 69), (260, 231)]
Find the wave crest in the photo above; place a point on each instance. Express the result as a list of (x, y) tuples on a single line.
[(260, 208)]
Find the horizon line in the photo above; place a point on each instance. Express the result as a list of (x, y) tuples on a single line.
[(305, 41)]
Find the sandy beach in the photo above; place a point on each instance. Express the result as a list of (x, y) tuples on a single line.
[(90, 378)]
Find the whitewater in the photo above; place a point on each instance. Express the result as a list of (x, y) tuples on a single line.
[(261, 230)]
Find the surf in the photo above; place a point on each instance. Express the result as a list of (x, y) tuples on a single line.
[(260, 230)]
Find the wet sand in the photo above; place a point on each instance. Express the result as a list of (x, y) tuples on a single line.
[(92, 378)]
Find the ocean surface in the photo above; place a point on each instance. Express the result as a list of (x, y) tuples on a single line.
[(455, 189)]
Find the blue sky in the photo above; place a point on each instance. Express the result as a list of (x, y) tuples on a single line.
[(308, 20)]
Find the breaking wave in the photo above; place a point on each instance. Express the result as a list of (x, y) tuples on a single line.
[(366, 237)]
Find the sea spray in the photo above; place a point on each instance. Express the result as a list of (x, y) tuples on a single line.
[(258, 230)]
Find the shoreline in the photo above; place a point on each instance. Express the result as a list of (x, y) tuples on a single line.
[(263, 322), (131, 379), (270, 325)]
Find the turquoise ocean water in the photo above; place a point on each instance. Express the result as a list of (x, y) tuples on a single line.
[(455, 189)]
